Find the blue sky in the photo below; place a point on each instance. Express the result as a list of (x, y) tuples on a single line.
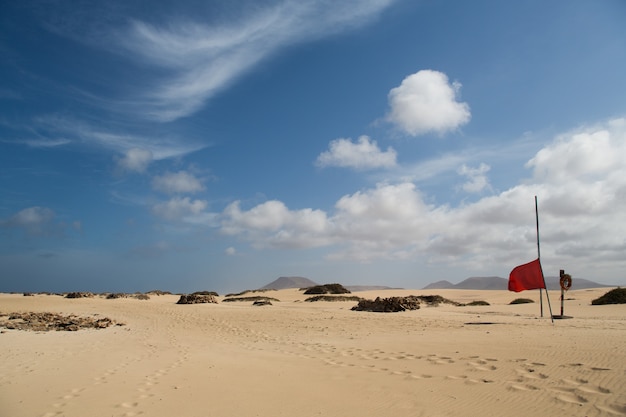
[(221, 144)]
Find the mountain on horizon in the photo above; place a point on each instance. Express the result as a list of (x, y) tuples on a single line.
[(439, 285), (357, 288), (289, 282), (499, 283)]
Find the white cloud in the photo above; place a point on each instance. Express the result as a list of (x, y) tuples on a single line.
[(582, 202), (32, 216), (179, 208), (477, 180), (426, 102), (272, 224), (79, 131), (177, 183), (585, 153), (135, 160), (230, 251), (45, 143), (365, 154), (37, 222), (202, 59)]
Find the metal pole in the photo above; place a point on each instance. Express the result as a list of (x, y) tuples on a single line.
[(542, 276), (538, 255)]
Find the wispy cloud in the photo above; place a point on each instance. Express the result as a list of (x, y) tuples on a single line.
[(198, 60), (69, 129)]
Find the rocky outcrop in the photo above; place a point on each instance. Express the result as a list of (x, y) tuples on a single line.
[(196, 299), (388, 305), (79, 295), (327, 289), (53, 321)]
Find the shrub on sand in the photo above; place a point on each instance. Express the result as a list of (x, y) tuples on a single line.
[(213, 293), (388, 305), (333, 298), (521, 301), (615, 296), (115, 295), (141, 296), (327, 289), (478, 303), (196, 299), (435, 300), (249, 291), (158, 292), (250, 298), (79, 295)]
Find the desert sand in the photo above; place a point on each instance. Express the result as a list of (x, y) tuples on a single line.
[(297, 358)]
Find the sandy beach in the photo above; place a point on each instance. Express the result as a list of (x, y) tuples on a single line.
[(297, 358)]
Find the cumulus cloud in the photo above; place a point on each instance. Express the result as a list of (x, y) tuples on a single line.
[(135, 160), (585, 153), (178, 208), (273, 224), (365, 154), (181, 182), (230, 251), (579, 178), (426, 102), (477, 180)]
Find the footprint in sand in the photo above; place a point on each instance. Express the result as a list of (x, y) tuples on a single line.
[(614, 409), (75, 392), (523, 387), (530, 373), (572, 398)]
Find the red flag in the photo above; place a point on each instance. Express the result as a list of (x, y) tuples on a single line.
[(527, 277)]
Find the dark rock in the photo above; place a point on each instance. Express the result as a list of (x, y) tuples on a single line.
[(327, 289), (79, 295), (196, 299), (54, 321), (388, 305), (615, 296)]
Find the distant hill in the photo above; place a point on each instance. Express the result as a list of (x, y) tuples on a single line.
[(355, 288), (499, 283), (483, 283), (439, 285), (577, 283), (289, 282)]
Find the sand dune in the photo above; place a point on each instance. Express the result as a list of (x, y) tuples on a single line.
[(297, 358)]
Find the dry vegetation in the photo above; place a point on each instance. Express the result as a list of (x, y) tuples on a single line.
[(327, 289), (196, 299), (333, 298), (251, 298), (521, 301), (615, 296), (53, 321)]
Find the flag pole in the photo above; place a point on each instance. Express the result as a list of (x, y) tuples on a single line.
[(542, 276), (539, 256)]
